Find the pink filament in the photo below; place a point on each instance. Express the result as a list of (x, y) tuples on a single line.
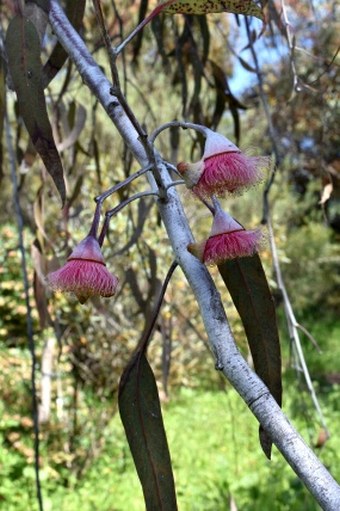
[(231, 245), (85, 278), (229, 172)]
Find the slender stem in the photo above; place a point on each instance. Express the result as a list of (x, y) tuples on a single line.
[(293, 326), (176, 183), (111, 212), (179, 124), (151, 325), (291, 320), (174, 169), (215, 207), (110, 50), (100, 198), (141, 25), (96, 218), (271, 128), (29, 320), (291, 44)]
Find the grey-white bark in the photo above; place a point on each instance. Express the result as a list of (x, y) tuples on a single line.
[(252, 390)]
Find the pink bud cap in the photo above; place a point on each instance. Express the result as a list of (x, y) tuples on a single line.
[(88, 249), (216, 143), (85, 273), (223, 223)]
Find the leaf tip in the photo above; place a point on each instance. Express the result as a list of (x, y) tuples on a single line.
[(265, 442)]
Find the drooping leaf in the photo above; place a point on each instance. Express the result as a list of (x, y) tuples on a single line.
[(248, 287), (38, 15), (75, 12), (223, 95), (23, 51), (141, 415), (138, 42), (247, 7)]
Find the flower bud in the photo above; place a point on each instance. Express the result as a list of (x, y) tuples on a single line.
[(85, 273), (227, 240), (223, 168)]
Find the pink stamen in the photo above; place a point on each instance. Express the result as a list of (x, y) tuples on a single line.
[(238, 243), (228, 172)]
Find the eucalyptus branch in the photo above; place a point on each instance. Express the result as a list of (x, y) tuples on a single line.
[(305, 463), (29, 319), (107, 41)]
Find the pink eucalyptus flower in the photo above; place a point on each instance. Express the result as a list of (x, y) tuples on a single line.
[(223, 168), (85, 273), (227, 240)]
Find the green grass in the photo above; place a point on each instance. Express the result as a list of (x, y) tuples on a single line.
[(214, 446), (215, 454)]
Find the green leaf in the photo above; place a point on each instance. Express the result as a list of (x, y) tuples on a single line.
[(75, 13), (247, 7), (23, 51), (140, 411), (248, 287)]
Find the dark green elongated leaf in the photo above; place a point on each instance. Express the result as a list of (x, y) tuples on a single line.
[(141, 415), (248, 287), (247, 7), (75, 13), (23, 51)]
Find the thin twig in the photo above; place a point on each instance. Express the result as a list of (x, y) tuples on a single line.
[(290, 316), (116, 91), (29, 321), (179, 124), (158, 9), (144, 342), (111, 212), (309, 336), (271, 128), (291, 45), (100, 198), (293, 325), (106, 37)]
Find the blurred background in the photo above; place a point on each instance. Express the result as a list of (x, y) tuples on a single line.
[(274, 93)]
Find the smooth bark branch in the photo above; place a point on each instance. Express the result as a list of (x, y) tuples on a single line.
[(229, 360)]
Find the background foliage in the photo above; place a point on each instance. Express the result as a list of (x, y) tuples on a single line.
[(202, 69)]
